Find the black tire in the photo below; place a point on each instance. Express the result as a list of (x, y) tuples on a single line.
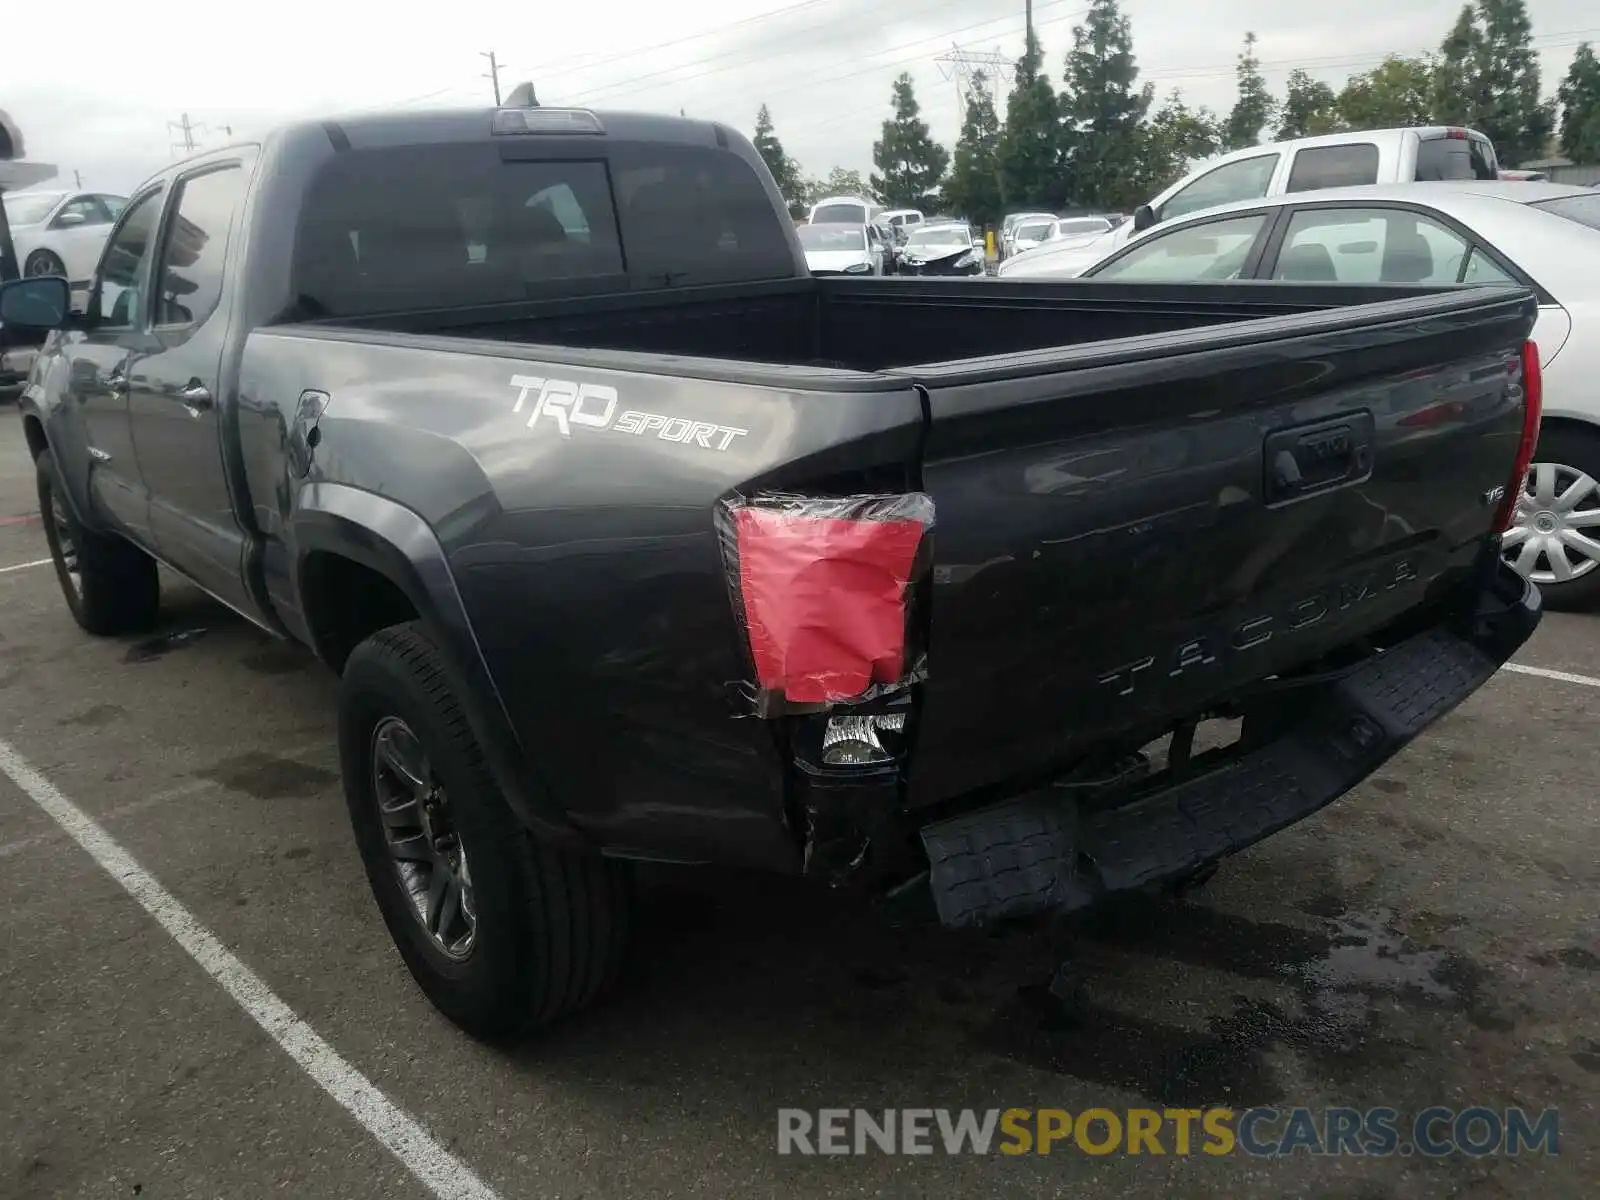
[(551, 924), (1579, 448), (117, 587), (45, 262)]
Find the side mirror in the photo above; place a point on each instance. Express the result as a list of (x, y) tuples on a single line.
[(1143, 217), (68, 219), (37, 302)]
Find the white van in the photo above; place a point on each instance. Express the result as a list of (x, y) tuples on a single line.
[(1305, 164), (844, 210)]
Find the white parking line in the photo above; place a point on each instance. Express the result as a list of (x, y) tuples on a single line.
[(440, 1171), (1558, 676), (38, 562)]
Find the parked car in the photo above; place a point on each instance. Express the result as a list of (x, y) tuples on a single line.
[(940, 248), (544, 457), (902, 220), (60, 233), (1028, 233), (1009, 223), (1309, 164), (1074, 227), (844, 210), (842, 249), (1543, 236)]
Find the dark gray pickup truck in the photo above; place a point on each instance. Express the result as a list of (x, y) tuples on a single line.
[(632, 541)]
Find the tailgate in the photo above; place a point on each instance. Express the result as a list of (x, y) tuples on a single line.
[(1130, 531)]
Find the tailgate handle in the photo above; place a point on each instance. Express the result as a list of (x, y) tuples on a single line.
[(1308, 459)]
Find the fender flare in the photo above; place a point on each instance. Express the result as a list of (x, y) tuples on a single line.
[(392, 540)]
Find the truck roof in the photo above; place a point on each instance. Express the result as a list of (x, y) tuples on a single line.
[(385, 127)]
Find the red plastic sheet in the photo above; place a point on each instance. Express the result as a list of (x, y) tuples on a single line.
[(824, 597)]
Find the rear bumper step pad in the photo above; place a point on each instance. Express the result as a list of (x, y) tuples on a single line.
[(1046, 852)]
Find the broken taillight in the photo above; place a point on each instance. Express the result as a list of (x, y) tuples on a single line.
[(822, 588), (1532, 412)]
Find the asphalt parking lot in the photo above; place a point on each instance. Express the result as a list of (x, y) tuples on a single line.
[(1431, 939)]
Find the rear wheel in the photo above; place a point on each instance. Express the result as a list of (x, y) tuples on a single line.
[(1555, 536), (500, 932), (44, 262), (110, 585)]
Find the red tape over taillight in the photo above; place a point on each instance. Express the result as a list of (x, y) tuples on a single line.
[(1532, 414), (823, 588)]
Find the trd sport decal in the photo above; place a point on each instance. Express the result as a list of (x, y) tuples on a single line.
[(594, 406)]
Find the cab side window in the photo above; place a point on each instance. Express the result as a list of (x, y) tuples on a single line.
[(196, 244), (1247, 179), (1348, 165), (118, 296)]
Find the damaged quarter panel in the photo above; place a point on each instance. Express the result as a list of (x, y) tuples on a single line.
[(576, 508)]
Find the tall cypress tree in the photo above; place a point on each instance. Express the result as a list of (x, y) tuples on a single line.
[(1103, 109), (974, 187), (910, 163), (1252, 111), (1031, 168)]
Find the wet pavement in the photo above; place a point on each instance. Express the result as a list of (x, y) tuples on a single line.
[(1430, 939)]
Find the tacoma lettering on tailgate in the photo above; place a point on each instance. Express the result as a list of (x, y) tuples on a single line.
[(1201, 652), (568, 403)]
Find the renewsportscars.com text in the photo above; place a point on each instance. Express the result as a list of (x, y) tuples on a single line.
[(1258, 1132)]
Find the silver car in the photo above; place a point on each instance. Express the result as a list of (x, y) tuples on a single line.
[(1544, 236)]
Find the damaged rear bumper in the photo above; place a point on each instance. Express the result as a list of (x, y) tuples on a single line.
[(1047, 852)]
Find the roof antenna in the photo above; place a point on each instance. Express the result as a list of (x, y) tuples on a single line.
[(522, 97)]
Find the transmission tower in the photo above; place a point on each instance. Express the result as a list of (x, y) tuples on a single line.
[(973, 69)]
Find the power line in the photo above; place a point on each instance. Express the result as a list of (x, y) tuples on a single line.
[(742, 53), (611, 93)]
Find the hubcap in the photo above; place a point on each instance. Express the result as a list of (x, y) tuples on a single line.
[(44, 266), (1555, 537), (421, 838), (67, 547)]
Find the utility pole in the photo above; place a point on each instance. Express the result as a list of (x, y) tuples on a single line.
[(186, 131), (1029, 12), (77, 179), (494, 71), (974, 70)]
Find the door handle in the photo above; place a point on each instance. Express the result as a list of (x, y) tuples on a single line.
[(196, 396)]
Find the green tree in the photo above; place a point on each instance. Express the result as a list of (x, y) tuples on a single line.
[(910, 163), (1103, 109), (1580, 107), (1309, 107), (974, 186), (1030, 153), (1174, 137), (1396, 93), (841, 182), (785, 171), (1488, 78), (1252, 111)]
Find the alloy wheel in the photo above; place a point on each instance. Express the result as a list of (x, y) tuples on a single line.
[(1555, 534), (67, 546), (421, 838)]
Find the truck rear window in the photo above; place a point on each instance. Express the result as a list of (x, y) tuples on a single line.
[(427, 227), (1455, 158)]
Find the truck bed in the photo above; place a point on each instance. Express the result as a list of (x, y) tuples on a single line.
[(879, 324), (1112, 551)]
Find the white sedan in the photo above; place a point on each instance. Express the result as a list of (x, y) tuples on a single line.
[(1545, 236), (60, 233)]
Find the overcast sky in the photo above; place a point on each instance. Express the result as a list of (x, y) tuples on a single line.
[(99, 100)]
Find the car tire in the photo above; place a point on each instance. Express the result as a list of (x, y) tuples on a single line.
[(1568, 455), (549, 926), (110, 585), (44, 262)]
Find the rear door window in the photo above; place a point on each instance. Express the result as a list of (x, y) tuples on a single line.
[(1349, 165), (1246, 179), (1369, 245)]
